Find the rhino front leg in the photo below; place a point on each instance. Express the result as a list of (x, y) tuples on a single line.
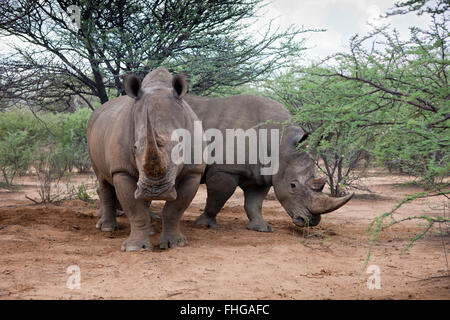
[(107, 211), (136, 211), (254, 198), (220, 187), (171, 235)]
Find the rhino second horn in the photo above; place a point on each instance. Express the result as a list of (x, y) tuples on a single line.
[(322, 203), (154, 164)]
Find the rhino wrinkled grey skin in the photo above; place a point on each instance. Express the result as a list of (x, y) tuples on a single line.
[(129, 145), (295, 186)]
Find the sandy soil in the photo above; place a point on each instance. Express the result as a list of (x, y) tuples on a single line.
[(39, 242)]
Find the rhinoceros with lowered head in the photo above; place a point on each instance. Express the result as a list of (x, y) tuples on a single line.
[(293, 180), (129, 145)]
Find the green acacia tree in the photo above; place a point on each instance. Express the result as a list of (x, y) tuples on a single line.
[(420, 7), (341, 137), (384, 97), (407, 81), (424, 132), (207, 40)]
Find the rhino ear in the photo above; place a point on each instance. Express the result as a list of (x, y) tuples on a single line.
[(303, 138), (180, 85), (298, 138), (132, 85)]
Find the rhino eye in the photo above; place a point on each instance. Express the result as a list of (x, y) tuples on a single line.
[(294, 186)]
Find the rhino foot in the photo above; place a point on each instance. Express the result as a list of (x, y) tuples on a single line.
[(136, 245), (106, 225), (259, 225), (207, 221), (172, 241)]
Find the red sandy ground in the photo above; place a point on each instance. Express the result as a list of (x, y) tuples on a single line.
[(39, 242)]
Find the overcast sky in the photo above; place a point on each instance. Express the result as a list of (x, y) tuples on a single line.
[(341, 18)]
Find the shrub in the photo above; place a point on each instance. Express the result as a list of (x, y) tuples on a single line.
[(51, 165), (24, 135), (15, 155), (73, 139)]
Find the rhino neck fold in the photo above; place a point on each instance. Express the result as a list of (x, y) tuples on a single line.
[(151, 187)]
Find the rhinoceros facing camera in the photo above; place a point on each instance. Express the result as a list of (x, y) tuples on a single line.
[(129, 145)]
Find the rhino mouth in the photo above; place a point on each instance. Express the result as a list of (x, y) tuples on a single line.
[(305, 219), (155, 189)]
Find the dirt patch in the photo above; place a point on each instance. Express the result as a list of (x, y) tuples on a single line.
[(39, 242)]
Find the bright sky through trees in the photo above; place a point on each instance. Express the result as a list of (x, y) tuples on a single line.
[(341, 18)]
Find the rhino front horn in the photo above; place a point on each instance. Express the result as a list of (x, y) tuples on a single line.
[(322, 203), (154, 164)]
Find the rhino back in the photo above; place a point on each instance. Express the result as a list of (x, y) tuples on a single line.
[(110, 135), (242, 111), (239, 112)]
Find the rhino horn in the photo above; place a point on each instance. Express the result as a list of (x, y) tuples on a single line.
[(155, 165), (322, 203)]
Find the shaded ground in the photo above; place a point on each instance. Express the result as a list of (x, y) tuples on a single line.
[(39, 242)]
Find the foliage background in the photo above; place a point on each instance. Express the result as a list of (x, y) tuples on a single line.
[(383, 101)]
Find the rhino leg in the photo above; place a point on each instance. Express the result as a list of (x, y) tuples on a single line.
[(254, 197), (220, 187), (153, 216), (136, 211), (171, 235), (107, 211), (119, 209)]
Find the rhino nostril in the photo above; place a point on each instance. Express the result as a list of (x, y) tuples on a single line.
[(299, 221)]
